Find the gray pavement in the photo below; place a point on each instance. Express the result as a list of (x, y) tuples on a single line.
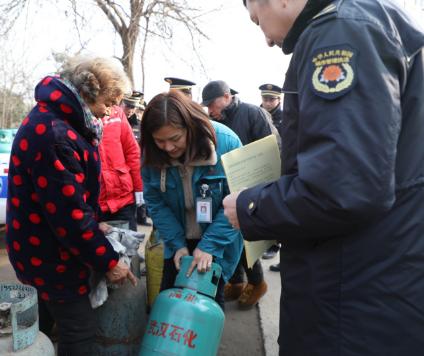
[(246, 333)]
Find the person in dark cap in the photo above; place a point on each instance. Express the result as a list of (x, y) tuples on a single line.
[(180, 84), (271, 102), (250, 123), (130, 104)]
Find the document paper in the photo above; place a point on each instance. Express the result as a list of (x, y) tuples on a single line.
[(256, 163)]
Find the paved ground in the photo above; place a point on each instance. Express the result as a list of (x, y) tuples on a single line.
[(246, 333)]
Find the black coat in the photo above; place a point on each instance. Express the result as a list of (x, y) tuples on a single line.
[(248, 121), (349, 208), (277, 119)]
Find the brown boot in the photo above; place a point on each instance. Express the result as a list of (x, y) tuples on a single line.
[(233, 291), (251, 295)]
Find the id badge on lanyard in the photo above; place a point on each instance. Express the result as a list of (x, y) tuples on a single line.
[(204, 206)]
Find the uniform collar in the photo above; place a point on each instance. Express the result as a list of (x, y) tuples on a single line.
[(311, 8)]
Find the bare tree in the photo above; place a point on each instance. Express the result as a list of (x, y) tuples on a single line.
[(137, 22), (13, 90), (154, 18)]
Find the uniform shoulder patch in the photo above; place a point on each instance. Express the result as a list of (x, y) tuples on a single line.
[(333, 71)]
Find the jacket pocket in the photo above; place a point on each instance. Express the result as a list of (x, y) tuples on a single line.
[(118, 182)]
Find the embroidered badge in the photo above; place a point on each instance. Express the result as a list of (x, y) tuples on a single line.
[(333, 71)]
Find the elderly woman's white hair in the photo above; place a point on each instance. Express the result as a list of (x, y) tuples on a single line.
[(95, 76)]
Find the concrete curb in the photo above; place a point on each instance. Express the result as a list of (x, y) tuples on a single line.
[(269, 308)]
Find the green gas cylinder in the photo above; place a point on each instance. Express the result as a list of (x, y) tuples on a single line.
[(19, 334), (186, 320)]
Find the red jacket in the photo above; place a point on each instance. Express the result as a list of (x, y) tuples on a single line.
[(120, 174)]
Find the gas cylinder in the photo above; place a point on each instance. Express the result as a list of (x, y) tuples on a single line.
[(19, 334), (186, 320), (121, 320)]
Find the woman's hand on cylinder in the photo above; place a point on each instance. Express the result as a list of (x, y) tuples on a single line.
[(120, 273), (202, 260), (178, 255)]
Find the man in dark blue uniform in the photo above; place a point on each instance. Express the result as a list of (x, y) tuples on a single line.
[(271, 102), (349, 207)]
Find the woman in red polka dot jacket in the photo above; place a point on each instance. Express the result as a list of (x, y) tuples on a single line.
[(53, 237)]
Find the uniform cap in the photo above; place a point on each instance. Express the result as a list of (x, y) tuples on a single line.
[(270, 90), (136, 99), (178, 83)]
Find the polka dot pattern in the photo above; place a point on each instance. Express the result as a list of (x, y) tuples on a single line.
[(40, 129), (36, 262), (88, 235), (17, 180), (35, 198), (16, 161), (49, 203), (23, 144), (55, 95), (34, 241), (82, 290), (66, 109), (16, 202), (61, 232), (72, 135), (58, 165), (100, 251), (42, 182), (68, 190), (79, 177), (34, 218), (51, 207), (77, 214)]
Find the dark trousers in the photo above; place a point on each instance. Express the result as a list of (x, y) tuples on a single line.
[(76, 325), (126, 213), (170, 274), (141, 214), (255, 275)]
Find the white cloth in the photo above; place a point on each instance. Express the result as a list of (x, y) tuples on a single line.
[(139, 200), (126, 243)]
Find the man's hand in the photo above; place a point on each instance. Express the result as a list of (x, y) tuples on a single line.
[(139, 199), (230, 209), (202, 260), (120, 273), (177, 258)]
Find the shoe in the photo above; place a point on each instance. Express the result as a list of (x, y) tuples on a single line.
[(233, 291), (143, 272), (271, 252), (275, 268), (251, 295)]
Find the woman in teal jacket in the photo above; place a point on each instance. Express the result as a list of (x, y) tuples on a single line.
[(185, 183)]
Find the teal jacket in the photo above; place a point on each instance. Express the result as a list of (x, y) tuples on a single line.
[(167, 208)]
